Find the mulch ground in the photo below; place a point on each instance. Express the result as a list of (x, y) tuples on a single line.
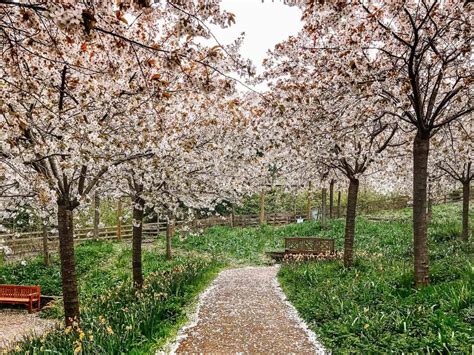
[(244, 311)]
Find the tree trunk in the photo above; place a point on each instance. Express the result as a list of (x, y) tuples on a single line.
[(68, 265), (323, 208), (339, 204), (294, 205), (466, 187), (169, 236), (421, 147), (96, 215), (351, 210), (331, 199), (262, 208), (309, 203), (44, 233), (138, 207), (232, 217)]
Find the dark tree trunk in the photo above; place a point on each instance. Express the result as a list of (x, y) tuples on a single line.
[(331, 199), (350, 221), (323, 208), (68, 264), (421, 146), (44, 233), (169, 236), (294, 205), (466, 187), (232, 216), (309, 204), (138, 207), (339, 204), (262, 208), (96, 215)]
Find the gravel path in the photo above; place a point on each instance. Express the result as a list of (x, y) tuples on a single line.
[(14, 325), (245, 311)]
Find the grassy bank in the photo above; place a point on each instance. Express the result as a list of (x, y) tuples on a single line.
[(370, 308), (115, 318), (373, 307)]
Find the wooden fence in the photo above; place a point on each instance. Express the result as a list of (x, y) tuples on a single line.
[(32, 242)]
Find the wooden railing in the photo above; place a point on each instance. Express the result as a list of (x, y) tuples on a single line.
[(32, 242)]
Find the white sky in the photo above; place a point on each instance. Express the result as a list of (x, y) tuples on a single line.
[(265, 24)]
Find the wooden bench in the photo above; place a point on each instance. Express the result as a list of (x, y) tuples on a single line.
[(27, 295), (309, 245)]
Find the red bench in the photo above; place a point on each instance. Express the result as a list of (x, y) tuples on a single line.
[(27, 295)]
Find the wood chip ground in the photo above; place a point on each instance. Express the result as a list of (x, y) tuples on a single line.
[(245, 311)]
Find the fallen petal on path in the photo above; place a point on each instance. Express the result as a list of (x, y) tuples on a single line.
[(245, 311)]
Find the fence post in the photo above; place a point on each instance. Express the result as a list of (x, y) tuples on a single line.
[(262, 208), (119, 219), (96, 215), (157, 225)]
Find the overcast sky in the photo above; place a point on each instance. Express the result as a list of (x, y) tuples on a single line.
[(265, 24)]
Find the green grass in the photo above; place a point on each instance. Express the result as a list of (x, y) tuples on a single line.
[(244, 245), (373, 307), (370, 308), (88, 256), (114, 318)]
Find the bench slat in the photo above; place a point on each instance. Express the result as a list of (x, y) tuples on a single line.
[(309, 245), (14, 300), (20, 294)]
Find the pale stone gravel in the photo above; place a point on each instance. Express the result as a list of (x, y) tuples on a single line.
[(16, 325), (245, 311)]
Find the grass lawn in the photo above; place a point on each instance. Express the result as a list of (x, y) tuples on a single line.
[(369, 308), (372, 307), (114, 318)]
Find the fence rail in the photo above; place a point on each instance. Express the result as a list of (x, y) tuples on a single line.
[(32, 242)]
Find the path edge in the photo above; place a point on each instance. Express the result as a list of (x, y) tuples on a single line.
[(293, 312), (193, 320)]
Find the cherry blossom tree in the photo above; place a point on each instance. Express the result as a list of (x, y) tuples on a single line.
[(413, 54), (77, 77), (454, 147), (335, 127)]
